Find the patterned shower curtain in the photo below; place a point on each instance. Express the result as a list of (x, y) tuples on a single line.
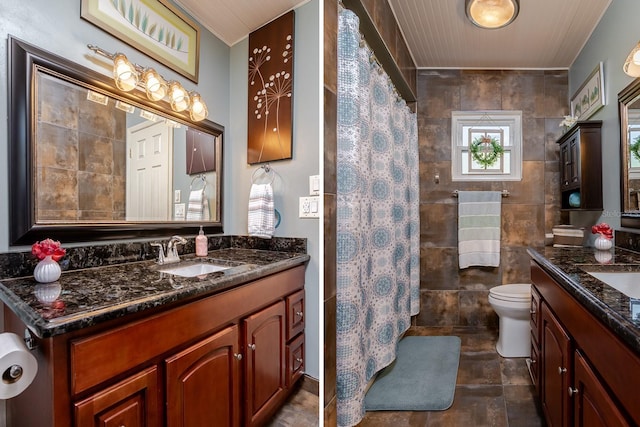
[(377, 220)]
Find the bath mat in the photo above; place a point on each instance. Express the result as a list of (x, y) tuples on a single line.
[(422, 378)]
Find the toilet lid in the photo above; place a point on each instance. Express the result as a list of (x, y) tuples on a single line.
[(513, 292)]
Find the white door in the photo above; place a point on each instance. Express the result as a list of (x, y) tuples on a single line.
[(149, 172)]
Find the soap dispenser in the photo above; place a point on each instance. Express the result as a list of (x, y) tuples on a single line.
[(201, 244)]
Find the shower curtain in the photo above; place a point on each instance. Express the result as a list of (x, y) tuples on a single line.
[(377, 220)]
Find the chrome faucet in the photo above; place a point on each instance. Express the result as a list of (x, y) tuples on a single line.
[(161, 257), (172, 250)]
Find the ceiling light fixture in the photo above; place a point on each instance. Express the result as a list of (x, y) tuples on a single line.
[(128, 76), (632, 65), (492, 14)]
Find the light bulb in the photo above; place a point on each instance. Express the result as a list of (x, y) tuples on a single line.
[(179, 99), (198, 109), (124, 73), (492, 13), (636, 57), (155, 86)]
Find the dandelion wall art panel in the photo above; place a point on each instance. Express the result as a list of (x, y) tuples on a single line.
[(269, 135)]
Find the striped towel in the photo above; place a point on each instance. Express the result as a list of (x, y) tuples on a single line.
[(261, 211), (198, 208), (479, 228)]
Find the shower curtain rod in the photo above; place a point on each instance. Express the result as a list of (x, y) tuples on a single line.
[(505, 193)]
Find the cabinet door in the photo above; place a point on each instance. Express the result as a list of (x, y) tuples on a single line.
[(593, 405), (265, 363), (203, 382), (555, 353), (131, 403)]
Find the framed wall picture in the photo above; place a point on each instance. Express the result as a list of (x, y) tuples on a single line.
[(269, 133), (590, 97), (154, 27)]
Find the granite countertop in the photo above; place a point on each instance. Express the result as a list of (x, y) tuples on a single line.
[(615, 309), (93, 295)]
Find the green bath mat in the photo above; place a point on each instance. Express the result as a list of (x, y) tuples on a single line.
[(422, 378)]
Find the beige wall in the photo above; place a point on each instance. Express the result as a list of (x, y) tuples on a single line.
[(453, 297)]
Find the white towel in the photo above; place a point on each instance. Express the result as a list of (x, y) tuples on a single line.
[(198, 208), (479, 228), (261, 211)]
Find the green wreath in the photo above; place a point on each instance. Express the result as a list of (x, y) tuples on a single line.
[(635, 148), (486, 158)]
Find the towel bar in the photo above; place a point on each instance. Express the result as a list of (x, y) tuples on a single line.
[(505, 193)]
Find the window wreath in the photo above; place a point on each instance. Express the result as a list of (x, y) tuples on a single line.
[(486, 150), (635, 148)]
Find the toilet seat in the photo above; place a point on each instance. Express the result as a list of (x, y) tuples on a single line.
[(518, 292)]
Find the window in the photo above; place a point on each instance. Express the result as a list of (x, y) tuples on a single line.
[(486, 145)]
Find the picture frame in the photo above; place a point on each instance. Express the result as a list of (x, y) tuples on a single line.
[(154, 27), (590, 97), (270, 91)]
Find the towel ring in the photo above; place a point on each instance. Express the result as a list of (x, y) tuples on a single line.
[(268, 172), (204, 181)]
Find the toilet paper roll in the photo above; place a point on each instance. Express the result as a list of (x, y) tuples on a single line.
[(17, 365)]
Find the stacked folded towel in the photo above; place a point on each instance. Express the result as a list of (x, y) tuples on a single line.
[(479, 228), (261, 211)]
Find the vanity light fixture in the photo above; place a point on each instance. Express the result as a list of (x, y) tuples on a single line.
[(632, 65), (492, 14), (128, 76)]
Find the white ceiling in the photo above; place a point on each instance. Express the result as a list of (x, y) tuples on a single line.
[(547, 34), (233, 20)]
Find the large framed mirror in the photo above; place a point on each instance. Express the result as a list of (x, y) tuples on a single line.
[(629, 111), (88, 162)]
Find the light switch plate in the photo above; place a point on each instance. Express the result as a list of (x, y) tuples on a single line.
[(314, 185), (176, 196), (310, 207), (179, 211)]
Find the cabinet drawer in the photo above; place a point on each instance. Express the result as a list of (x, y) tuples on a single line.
[(132, 402), (295, 314), (295, 360)]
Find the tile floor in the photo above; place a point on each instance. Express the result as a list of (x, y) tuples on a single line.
[(490, 390), (300, 410)]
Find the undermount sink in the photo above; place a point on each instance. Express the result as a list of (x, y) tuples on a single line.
[(627, 282), (193, 270)]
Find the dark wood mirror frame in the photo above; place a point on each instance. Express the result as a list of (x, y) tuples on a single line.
[(23, 229), (628, 218)]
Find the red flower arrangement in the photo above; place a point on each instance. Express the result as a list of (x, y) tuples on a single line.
[(48, 247), (603, 229)]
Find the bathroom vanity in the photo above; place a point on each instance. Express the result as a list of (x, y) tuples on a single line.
[(128, 345), (585, 339)]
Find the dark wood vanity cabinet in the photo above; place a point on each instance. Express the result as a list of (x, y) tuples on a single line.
[(221, 360), (581, 166), (587, 375)]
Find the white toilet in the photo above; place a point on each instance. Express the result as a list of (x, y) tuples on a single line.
[(512, 304)]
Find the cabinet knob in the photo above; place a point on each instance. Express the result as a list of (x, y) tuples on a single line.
[(299, 313), (252, 346), (533, 311), (572, 391), (237, 356), (561, 370), (299, 360)]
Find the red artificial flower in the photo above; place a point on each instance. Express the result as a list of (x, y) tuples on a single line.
[(603, 229), (48, 247)]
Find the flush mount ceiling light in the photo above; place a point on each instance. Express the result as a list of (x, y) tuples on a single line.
[(128, 76), (492, 14), (632, 65)]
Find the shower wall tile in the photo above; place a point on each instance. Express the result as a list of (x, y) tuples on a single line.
[(531, 209), (439, 224), (330, 140), (57, 147), (330, 14), (524, 90), (438, 268), (438, 308), (474, 308)]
